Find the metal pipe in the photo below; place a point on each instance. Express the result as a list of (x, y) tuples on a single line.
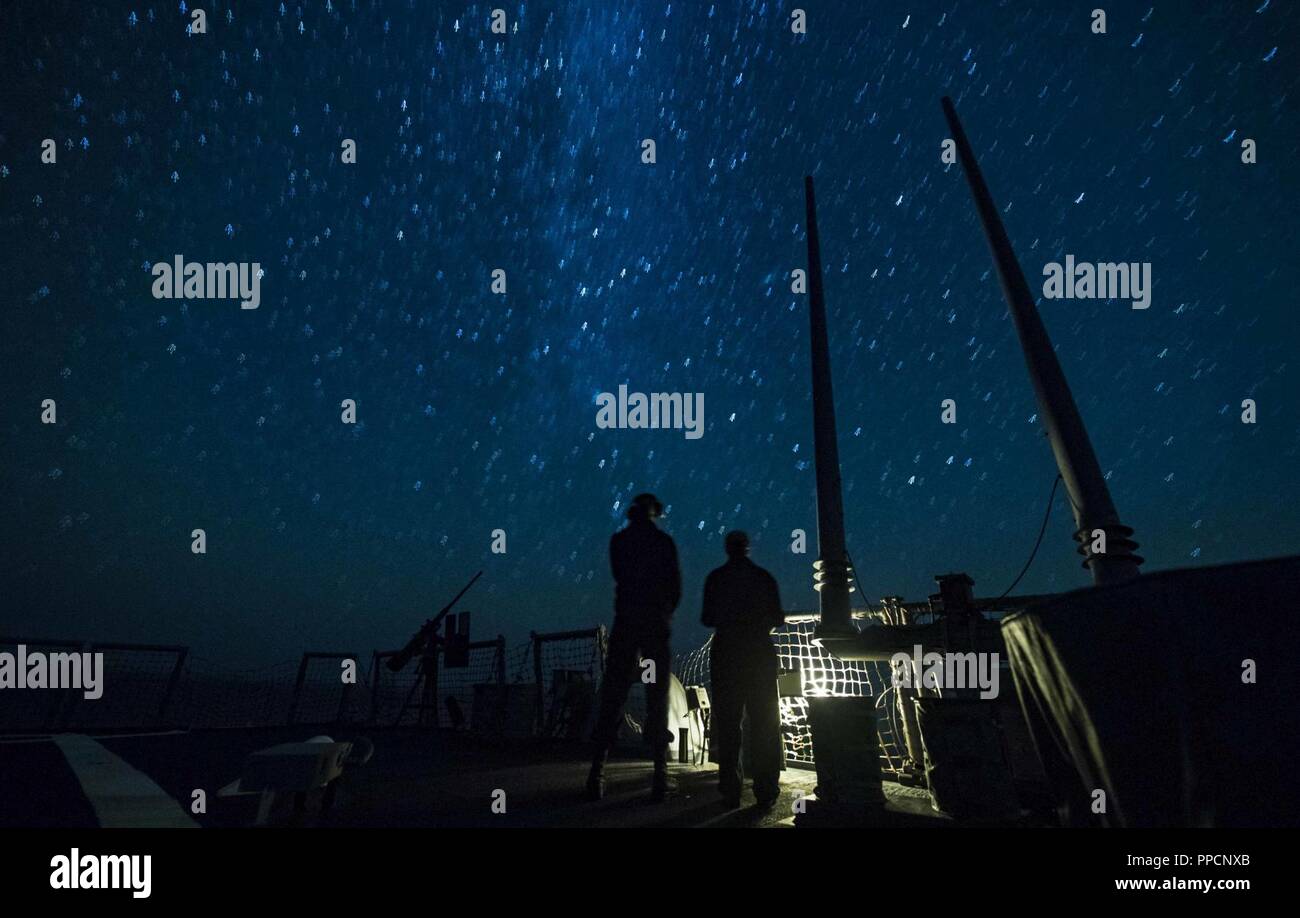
[(1089, 495)]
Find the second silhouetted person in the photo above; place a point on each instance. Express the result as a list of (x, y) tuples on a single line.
[(742, 601)]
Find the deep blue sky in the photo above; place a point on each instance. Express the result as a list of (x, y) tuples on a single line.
[(523, 152)]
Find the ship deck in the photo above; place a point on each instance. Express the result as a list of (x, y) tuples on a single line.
[(416, 778)]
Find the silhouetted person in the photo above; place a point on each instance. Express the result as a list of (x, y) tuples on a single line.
[(742, 601), (647, 588)]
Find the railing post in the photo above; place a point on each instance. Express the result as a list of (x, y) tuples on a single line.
[(69, 700), (540, 701), (172, 683), (374, 687), (346, 694), (297, 689)]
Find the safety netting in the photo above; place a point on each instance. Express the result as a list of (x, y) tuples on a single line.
[(37, 709), (569, 656), (485, 665), (139, 684), (99, 685), (330, 689), (213, 695), (813, 673)]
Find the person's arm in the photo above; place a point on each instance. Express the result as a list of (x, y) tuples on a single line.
[(775, 616), (617, 564), (675, 580), (710, 617)]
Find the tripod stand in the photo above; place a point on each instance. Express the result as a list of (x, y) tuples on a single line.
[(426, 683)]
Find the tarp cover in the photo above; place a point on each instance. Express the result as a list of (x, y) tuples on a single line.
[(1138, 690)]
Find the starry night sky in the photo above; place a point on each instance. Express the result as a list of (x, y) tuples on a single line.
[(522, 151)]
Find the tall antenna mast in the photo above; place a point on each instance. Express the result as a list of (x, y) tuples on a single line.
[(1089, 495), (831, 579)]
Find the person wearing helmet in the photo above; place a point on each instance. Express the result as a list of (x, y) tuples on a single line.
[(647, 588), (743, 604)]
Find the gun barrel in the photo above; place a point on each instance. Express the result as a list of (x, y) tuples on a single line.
[(427, 632), (464, 590)]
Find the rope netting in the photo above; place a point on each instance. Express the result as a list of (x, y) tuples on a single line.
[(389, 691), (820, 675), (568, 668), (38, 709), (330, 688), (213, 695), (458, 682), (580, 656), (519, 663), (137, 682)]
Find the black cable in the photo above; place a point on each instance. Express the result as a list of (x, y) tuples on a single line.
[(1046, 516)]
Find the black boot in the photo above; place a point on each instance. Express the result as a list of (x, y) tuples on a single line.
[(596, 777), (661, 785)]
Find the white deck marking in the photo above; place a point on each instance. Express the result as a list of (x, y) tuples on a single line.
[(122, 795), (19, 738)]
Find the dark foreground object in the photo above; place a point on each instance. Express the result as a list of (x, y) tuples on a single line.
[(1172, 695)]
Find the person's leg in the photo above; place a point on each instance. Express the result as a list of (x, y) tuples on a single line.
[(655, 646), (764, 709), (728, 706), (620, 670)]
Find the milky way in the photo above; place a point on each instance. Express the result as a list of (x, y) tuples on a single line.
[(476, 411)]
